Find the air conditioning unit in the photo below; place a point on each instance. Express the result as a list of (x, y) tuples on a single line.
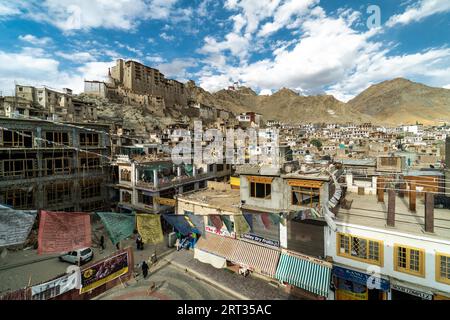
[(172, 239)]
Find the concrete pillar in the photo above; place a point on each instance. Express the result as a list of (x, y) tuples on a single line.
[(349, 180), (391, 208), (412, 197), (194, 170), (402, 191), (155, 179), (380, 189), (178, 171), (374, 184), (429, 212)]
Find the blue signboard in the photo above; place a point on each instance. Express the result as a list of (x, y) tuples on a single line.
[(361, 278)]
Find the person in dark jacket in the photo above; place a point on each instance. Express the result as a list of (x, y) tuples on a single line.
[(102, 242), (144, 269)]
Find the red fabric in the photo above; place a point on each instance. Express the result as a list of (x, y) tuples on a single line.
[(63, 231), (266, 220), (216, 221)]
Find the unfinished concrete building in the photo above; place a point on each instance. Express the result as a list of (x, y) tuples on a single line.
[(53, 166), (55, 104)]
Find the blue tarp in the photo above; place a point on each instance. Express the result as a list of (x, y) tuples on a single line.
[(180, 223), (198, 222)]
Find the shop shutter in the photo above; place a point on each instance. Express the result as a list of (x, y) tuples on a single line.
[(306, 237)]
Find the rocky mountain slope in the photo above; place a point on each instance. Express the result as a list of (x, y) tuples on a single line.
[(397, 101), (403, 101)]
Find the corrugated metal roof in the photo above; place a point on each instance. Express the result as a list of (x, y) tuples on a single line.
[(263, 260), (305, 274), (218, 245)]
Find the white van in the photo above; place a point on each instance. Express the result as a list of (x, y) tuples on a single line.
[(86, 254)]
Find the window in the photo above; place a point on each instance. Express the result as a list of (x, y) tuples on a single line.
[(59, 138), (89, 161), (58, 165), (19, 199), (126, 197), (305, 196), (16, 139), (145, 199), (92, 206), (260, 190), (409, 260), (125, 175), (358, 248), (17, 168), (58, 192), (89, 139), (90, 189), (443, 268)]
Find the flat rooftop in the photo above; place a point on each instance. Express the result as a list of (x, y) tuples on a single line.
[(227, 200), (367, 211)]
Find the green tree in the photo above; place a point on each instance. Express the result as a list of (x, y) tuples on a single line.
[(317, 143)]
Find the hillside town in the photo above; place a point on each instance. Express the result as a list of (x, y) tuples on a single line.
[(343, 211)]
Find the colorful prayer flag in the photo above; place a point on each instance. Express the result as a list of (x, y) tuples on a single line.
[(216, 221), (265, 220), (241, 225), (118, 225), (63, 231), (149, 227), (228, 224)]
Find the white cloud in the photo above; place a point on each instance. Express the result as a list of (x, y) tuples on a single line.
[(167, 37), (419, 11), (70, 15), (447, 86), (284, 14), (35, 40), (329, 56), (35, 67), (177, 68), (8, 9), (265, 92), (154, 59), (78, 57)]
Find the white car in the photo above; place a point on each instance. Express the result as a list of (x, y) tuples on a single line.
[(85, 254)]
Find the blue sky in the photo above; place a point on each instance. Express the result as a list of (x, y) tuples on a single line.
[(312, 46)]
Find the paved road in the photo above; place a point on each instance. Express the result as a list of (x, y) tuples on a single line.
[(18, 269), (171, 283)]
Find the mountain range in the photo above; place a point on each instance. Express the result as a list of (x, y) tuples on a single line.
[(392, 102)]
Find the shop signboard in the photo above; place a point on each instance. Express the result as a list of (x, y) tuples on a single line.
[(262, 240), (361, 278), (221, 232), (413, 292), (104, 271)]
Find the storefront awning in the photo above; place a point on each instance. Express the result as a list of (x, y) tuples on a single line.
[(261, 259), (255, 257), (304, 273), (212, 259), (218, 245)]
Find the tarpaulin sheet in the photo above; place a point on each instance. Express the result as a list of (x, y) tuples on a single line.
[(226, 220), (198, 221), (56, 287), (63, 231), (249, 218), (149, 227), (241, 225), (179, 223), (15, 226), (216, 221), (266, 220), (118, 225)]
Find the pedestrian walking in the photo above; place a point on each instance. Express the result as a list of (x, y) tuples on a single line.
[(138, 242), (102, 242), (144, 267)]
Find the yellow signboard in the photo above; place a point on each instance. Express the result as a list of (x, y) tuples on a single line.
[(149, 227), (165, 201)]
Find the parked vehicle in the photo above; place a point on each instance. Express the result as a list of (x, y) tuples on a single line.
[(85, 254)]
